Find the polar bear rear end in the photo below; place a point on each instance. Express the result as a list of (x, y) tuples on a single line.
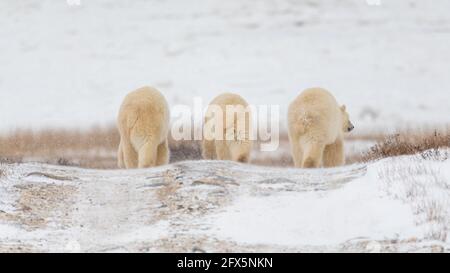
[(234, 119), (316, 129), (143, 124)]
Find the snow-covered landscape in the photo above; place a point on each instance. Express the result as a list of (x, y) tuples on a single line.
[(69, 64), (394, 205)]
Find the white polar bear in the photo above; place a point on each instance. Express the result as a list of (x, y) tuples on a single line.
[(316, 129), (143, 124), (227, 138)]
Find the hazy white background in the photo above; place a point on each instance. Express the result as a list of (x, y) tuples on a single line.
[(63, 65)]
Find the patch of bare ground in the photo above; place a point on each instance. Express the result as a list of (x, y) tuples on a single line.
[(390, 246), (39, 203), (180, 201), (186, 243), (18, 247)]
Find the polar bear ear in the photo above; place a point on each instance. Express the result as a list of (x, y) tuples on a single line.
[(343, 108)]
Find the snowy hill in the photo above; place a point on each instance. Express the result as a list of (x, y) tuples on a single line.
[(396, 204)]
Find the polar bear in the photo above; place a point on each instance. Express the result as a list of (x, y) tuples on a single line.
[(316, 129), (143, 124), (227, 129)]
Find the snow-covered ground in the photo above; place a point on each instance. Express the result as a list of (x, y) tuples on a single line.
[(69, 65), (393, 205)]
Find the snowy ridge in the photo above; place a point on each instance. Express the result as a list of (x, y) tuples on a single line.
[(225, 206)]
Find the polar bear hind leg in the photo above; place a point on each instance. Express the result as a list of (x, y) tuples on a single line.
[(120, 160), (296, 150), (209, 149), (130, 157), (313, 155), (334, 154), (243, 158), (163, 154), (147, 154), (222, 151)]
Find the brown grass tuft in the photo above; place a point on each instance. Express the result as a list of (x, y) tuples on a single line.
[(407, 144)]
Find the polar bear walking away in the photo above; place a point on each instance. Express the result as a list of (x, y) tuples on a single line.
[(227, 138), (316, 129), (143, 124)]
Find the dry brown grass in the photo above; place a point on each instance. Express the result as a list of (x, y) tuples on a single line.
[(53, 140), (92, 148), (96, 147), (89, 148), (408, 143)]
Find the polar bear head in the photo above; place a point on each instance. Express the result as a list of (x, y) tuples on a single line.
[(347, 125)]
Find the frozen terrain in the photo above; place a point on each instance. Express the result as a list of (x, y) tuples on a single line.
[(71, 65), (393, 205)]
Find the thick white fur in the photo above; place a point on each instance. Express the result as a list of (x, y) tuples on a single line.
[(237, 148), (316, 129), (143, 124)]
